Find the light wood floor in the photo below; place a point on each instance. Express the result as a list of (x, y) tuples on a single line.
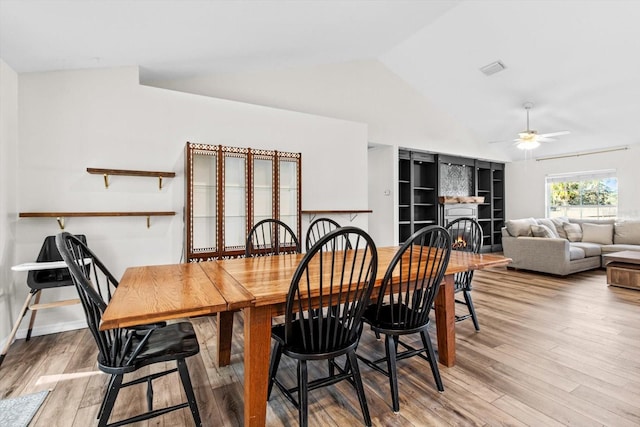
[(552, 351)]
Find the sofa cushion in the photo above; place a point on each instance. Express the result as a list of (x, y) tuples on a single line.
[(559, 222), (542, 231), (520, 227), (574, 232), (549, 224), (590, 249), (576, 253), (619, 248), (627, 233), (597, 233)]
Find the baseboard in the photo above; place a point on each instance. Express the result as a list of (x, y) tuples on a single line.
[(47, 329)]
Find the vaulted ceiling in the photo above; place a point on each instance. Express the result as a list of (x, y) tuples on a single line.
[(577, 61)]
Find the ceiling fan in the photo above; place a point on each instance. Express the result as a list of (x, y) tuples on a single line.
[(529, 139)]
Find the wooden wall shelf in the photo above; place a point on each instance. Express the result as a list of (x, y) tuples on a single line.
[(106, 172), (353, 213), (60, 216)]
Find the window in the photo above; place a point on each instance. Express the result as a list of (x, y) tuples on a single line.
[(583, 195)]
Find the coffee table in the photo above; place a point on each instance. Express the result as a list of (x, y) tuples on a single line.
[(623, 269)]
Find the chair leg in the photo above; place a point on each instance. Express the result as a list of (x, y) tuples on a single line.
[(109, 400), (188, 390), (472, 310), (273, 366), (390, 349), (12, 335), (104, 401), (357, 379), (37, 293), (303, 394), (433, 362)]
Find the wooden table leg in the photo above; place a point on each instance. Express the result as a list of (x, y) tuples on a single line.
[(446, 322), (225, 333), (257, 348)]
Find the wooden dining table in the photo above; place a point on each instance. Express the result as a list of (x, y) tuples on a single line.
[(258, 287)]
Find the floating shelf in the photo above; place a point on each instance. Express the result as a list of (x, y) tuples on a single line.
[(60, 216), (352, 212), (106, 172)]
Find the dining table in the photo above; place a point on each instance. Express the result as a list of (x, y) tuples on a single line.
[(258, 287)]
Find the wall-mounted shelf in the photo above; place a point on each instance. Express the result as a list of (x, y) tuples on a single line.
[(60, 216), (106, 172), (353, 213)]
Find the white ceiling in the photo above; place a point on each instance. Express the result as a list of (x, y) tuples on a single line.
[(578, 61)]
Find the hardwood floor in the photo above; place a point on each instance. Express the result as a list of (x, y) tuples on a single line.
[(551, 351)]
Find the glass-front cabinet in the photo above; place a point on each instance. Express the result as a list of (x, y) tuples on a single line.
[(229, 189), (288, 188)]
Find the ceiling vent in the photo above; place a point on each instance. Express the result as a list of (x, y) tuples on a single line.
[(494, 67)]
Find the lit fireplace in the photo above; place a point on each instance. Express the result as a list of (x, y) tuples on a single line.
[(459, 243)]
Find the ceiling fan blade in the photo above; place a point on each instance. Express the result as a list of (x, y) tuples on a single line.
[(562, 132), (545, 139)]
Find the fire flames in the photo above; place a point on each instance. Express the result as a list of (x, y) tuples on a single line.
[(459, 243)]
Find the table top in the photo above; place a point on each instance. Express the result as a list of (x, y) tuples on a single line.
[(630, 257), (163, 292), (268, 278)]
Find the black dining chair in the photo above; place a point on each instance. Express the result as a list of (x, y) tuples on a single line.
[(123, 351), (314, 329), (39, 280), (466, 235), (404, 302), (319, 228), (271, 237)]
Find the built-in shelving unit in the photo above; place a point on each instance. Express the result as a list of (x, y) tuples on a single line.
[(60, 216), (106, 172), (417, 192), (420, 181)]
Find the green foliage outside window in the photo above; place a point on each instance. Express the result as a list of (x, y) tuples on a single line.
[(583, 198)]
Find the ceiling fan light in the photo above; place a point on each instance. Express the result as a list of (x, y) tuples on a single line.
[(528, 144)]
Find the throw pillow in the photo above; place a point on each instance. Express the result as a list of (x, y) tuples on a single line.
[(627, 233), (549, 224), (597, 233), (574, 232), (520, 227), (542, 231), (559, 223)]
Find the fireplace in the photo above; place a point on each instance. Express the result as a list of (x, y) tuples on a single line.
[(453, 211)]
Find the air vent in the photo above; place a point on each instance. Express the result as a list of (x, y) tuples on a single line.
[(494, 67)]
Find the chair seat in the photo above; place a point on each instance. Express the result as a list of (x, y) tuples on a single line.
[(171, 342), (391, 318), (316, 328)]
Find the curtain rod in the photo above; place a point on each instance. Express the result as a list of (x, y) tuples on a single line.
[(584, 153)]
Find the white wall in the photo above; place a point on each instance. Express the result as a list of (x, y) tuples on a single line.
[(525, 181), (8, 178), (103, 118), (365, 91), (383, 198)]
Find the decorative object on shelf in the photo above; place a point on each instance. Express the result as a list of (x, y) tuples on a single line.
[(229, 189), (60, 216), (460, 199), (106, 172)]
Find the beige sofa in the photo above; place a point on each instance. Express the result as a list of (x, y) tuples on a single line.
[(564, 246)]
